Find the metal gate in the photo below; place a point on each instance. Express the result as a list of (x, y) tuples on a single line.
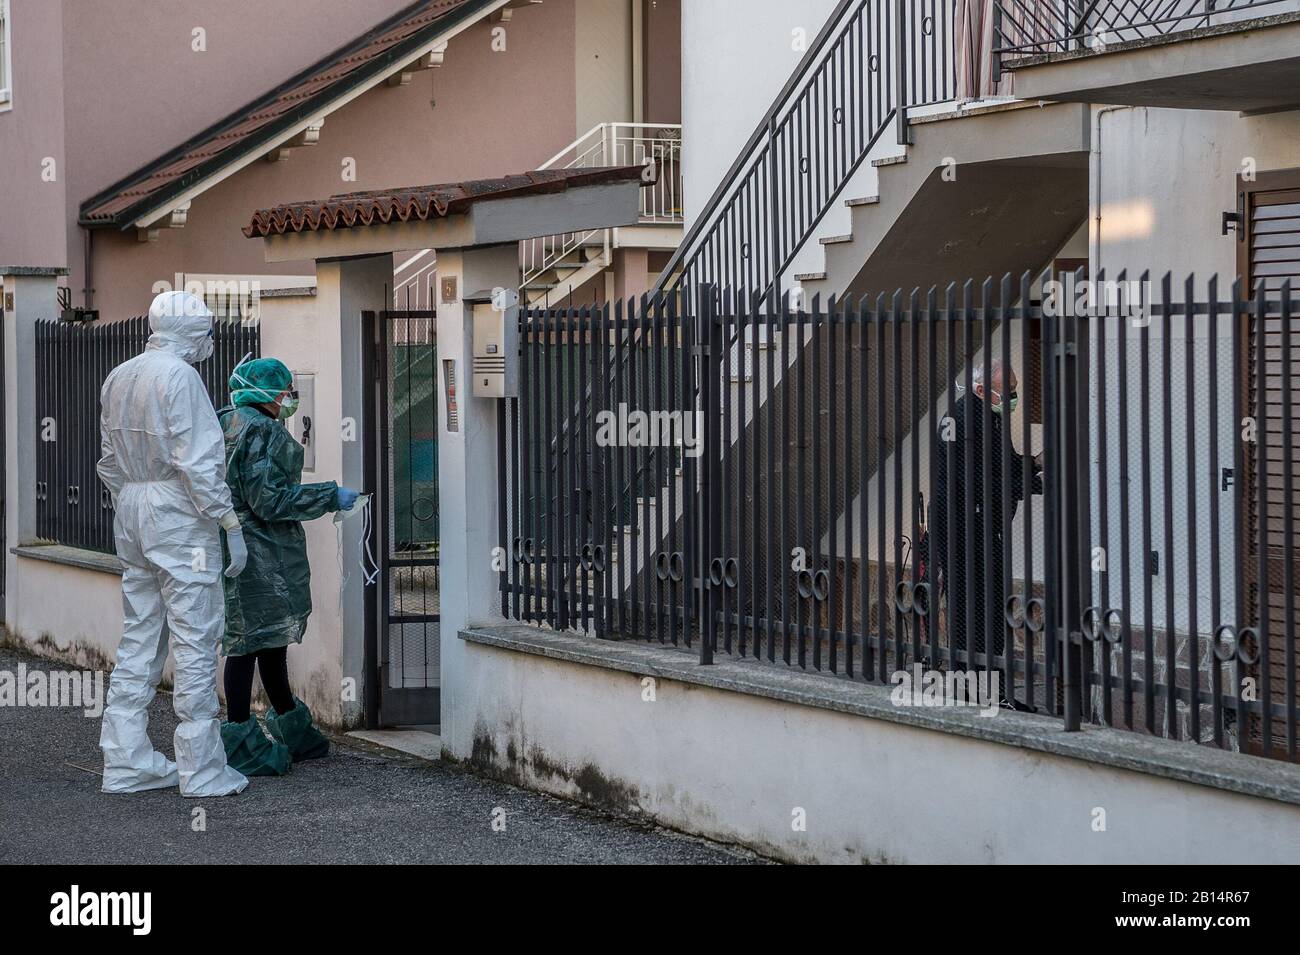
[(405, 429)]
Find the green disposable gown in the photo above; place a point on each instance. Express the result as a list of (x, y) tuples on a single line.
[(269, 603)]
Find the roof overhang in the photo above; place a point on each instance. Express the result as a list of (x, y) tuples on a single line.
[(483, 223), (158, 206)]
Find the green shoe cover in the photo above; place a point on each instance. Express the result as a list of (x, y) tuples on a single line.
[(295, 730), (249, 751)]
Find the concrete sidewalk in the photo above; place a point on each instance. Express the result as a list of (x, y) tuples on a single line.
[(362, 804)]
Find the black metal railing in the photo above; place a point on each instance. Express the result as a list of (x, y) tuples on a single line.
[(1112, 543), (871, 61), (72, 361), (1033, 27)]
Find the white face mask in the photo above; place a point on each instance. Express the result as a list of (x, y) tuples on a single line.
[(360, 504), (206, 348)]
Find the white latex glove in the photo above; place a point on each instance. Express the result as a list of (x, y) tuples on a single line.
[(238, 552)]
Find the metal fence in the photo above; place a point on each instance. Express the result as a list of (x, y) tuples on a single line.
[(72, 361), (833, 488), (1033, 27)]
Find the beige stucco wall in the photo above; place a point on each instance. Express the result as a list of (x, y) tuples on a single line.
[(479, 127), (162, 91), (32, 227)]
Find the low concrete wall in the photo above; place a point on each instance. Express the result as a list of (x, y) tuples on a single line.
[(575, 718), (70, 613)]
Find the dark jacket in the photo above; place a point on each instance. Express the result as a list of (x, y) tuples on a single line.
[(952, 460), (268, 604)]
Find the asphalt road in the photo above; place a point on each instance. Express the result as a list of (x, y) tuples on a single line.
[(359, 805)]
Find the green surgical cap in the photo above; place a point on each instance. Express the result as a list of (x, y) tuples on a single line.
[(259, 381)]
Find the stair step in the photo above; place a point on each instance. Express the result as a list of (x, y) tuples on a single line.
[(864, 201), (835, 239), (810, 277), (889, 160)]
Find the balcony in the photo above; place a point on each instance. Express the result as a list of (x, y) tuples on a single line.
[(554, 266), (1239, 55)]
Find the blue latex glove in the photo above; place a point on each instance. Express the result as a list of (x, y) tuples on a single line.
[(347, 497)]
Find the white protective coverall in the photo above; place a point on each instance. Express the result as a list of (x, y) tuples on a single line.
[(164, 464)]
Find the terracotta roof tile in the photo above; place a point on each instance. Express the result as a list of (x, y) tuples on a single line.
[(422, 203), (242, 131)]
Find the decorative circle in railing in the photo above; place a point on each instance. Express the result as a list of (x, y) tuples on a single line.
[(821, 585), (903, 597), (428, 513), (804, 583), (873, 63), (1238, 650), (927, 25), (715, 571), (917, 598), (670, 566), (839, 115), (587, 556), (744, 250), (42, 491), (598, 558), (803, 164), (517, 550), (1020, 613), (105, 498), (1098, 626)]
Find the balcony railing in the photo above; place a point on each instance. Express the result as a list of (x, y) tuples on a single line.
[(1034, 27), (614, 144)]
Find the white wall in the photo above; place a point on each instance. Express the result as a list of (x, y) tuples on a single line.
[(293, 333), (734, 767), (1161, 180), (736, 56)]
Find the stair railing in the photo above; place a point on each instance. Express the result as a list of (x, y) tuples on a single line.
[(837, 105), (842, 98), (613, 144)]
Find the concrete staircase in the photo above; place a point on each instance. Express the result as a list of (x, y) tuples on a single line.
[(978, 192)]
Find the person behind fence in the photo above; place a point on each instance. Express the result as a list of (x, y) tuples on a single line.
[(963, 572), (268, 605), (163, 462)]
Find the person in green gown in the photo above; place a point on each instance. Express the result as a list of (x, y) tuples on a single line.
[(267, 606)]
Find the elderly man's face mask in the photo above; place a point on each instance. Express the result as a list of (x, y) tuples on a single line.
[(995, 402), (994, 398)]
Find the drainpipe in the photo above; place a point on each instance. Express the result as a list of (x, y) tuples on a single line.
[(88, 269), (1094, 255)]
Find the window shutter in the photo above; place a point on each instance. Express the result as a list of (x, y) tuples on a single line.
[(1270, 255)]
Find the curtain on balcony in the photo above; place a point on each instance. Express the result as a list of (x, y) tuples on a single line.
[(975, 52)]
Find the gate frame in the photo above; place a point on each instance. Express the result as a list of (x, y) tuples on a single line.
[(387, 705)]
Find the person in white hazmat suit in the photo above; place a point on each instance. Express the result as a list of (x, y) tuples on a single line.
[(163, 461)]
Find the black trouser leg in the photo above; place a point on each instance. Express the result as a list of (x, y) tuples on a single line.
[(238, 682), (273, 667)]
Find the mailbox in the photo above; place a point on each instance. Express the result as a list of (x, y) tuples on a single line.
[(496, 343)]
